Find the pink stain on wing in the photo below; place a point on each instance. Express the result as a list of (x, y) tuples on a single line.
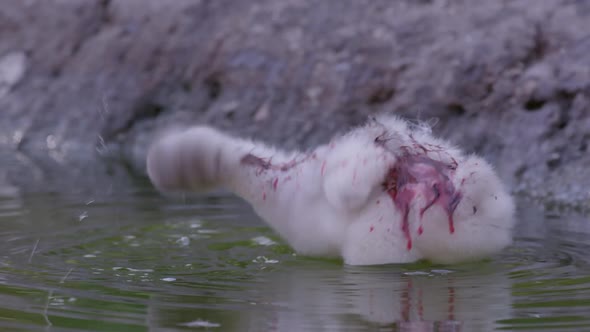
[(419, 175), (262, 165), (275, 183)]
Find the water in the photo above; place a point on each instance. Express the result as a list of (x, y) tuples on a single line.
[(138, 262)]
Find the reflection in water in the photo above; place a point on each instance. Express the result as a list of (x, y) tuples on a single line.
[(137, 262), (335, 299)]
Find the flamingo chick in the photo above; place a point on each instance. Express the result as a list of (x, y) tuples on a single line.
[(386, 192)]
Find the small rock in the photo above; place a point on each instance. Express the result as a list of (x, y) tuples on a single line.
[(12, 70), (262, 113)]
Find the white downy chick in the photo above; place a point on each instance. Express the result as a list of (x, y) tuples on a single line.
[(386, 192)]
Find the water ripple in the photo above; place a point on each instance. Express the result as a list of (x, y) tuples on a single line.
[(136, 261)]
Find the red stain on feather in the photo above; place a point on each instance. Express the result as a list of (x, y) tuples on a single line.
[(414, 175)]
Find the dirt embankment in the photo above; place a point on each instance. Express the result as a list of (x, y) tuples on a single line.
[(85, 84)]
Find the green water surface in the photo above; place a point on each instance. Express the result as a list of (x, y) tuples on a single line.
[(136, 261)]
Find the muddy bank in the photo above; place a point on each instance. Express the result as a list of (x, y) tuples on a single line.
[(85, 84)]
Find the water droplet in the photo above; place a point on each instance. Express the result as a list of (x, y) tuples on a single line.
[(183, 241), (140, 270), (208, 231), (57, 302), (263, 241), (264, 260), (200, 323), (117, 268), (168, 279), (417, 273), (83, 216), (196, 224)]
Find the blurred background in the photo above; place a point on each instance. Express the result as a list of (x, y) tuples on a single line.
[(86, 244), (85, 84)]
